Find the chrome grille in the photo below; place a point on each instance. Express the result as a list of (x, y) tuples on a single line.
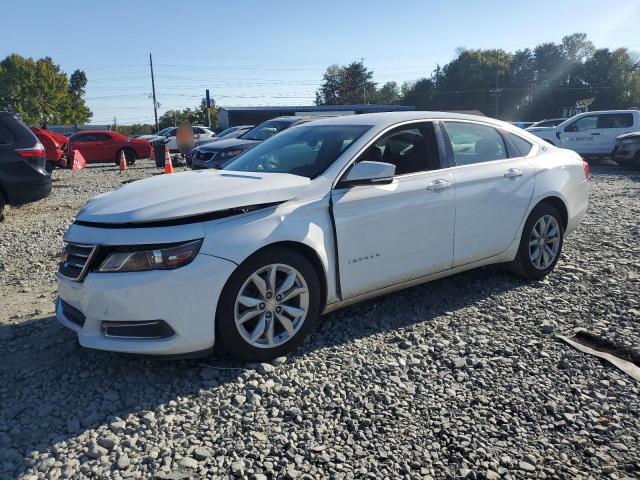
[(75, 260)]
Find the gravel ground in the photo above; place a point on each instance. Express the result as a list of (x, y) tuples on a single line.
[(459, 378)]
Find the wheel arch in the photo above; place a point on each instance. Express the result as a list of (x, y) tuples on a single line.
[(310, 254), (558, 204)]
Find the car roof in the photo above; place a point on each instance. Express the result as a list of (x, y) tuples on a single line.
[(96, 131), (385, 118)]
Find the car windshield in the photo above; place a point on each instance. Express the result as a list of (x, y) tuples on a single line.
[(306, 151), (266, 130), (227, 131), (163, 131)]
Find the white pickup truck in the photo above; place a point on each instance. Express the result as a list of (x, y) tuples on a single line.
[(591, 134)]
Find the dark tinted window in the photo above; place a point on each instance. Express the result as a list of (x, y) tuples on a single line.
[(266, 130), (410, 148), (306, 151), (521, 146), (198, 131), (615, 120), (85, 137), (6, 135), (473, 143), (104, 136)]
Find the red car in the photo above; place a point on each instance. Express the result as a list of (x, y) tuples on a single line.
[(55, 146), (105, 146)]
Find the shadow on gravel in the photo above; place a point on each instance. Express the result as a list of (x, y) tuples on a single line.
[(607, 167), (51, 389)]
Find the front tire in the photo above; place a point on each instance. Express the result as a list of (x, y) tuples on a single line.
[(269, 305), (540, 243)]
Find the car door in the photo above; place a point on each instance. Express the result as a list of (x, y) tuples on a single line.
[(582, 135), (106, 147), (493, 191), (611, 125), (86, 144), (388, 234)]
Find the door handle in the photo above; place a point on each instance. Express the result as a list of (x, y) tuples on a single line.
[(513, 173), (438, 185)]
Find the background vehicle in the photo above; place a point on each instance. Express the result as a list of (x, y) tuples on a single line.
[(23, 176), (591, 134), (215, 154), (317, 217), (522, 125), (229, 133), (55, 146), (105, 146), (169, 134), (548, 122), (627, 150)]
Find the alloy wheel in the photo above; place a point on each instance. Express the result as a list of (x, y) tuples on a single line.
[(544, 242), (271, 306)]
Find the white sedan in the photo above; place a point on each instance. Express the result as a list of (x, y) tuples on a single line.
[(320, 216)]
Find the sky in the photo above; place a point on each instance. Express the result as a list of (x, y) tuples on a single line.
[(273, 52)]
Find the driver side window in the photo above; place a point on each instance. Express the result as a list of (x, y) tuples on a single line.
[(585, 123), (411, 148)]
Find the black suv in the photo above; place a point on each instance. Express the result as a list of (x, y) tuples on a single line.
[(23, 177)]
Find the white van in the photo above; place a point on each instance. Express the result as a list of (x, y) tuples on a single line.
[(591, 134)]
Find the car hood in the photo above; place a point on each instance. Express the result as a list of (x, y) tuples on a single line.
[(540, 129), (189, 194), (228, 144), (628, 135)]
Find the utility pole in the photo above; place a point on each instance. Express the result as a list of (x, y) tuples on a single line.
[(153, 88), (115, 124), (364, 86), (497, 90)]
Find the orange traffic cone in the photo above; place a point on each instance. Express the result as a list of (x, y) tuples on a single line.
[(168, 166), (123, 162)]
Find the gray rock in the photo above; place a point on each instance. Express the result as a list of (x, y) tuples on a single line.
[(188, 462), (123, 462), (526, 466), (201, 453), (95, 451)]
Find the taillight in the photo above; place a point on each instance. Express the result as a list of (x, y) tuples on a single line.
[(585, 167), (36, 151)]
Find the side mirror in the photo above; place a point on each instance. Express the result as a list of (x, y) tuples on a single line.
[(368, 173)]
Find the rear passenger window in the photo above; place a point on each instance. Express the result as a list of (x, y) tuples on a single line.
[(6, 135), (615, 120), (520, 144), (473, 143)]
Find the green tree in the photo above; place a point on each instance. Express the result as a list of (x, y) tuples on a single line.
[(40, 92), (351, 84), (195, 116)]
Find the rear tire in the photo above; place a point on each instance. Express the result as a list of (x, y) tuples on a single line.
[(540, 243), (263, 320), (129, 155)]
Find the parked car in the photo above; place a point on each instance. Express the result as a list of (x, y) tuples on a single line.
[(626, 151), (591, 134), (199, 133), (55, 146), (215, 154), (549, 122), (106, 146), (229, 133), (23, 174), (318, 217), (522, 125)]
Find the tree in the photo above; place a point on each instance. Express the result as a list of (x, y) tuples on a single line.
[(195, 116), (40, 92), (530, 84), (346, 85)]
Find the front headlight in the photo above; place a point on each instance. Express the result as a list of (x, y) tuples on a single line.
[(229, 154), (164, 257)]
